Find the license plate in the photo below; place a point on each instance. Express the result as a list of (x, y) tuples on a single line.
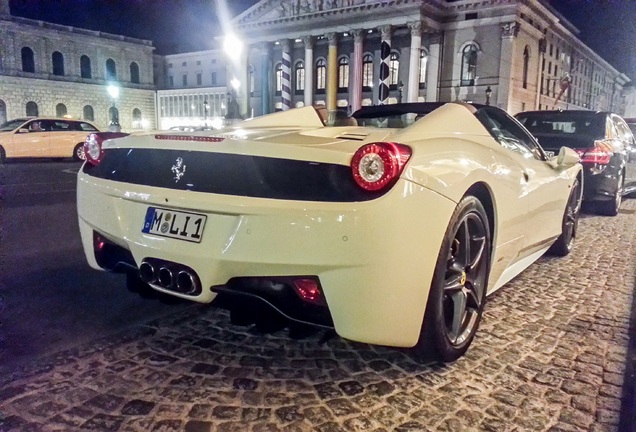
[(174, 224)]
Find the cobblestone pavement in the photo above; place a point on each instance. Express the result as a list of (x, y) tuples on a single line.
[(550, 356)]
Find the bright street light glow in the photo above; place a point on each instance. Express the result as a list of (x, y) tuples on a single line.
[(232, 46), (113, 91), (235, 83)]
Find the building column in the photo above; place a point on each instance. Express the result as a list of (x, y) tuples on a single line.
[(265, 78), (286, 81), (309, 70), (432, 68), (332, 77), (503, 91), (385, 53), (245, 82), (413, 90), (356, 85)]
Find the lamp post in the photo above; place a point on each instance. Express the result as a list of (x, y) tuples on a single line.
[(113, 91), (205, 112), (400, 86), (488, 94)]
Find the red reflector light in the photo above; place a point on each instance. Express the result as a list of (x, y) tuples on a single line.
[(600, 154), (189, 138), (309, 290), (98, 242), (377, 165)]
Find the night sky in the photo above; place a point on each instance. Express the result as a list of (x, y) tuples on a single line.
[(608, 27)]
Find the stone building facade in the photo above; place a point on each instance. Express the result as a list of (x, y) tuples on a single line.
[(53, 70), (518, 55)]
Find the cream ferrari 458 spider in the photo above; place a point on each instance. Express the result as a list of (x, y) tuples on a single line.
[(391, 226)]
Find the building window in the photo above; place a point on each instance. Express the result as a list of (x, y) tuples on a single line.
[(111, 69), (251, 78), (423, 64), (134, 73), (171, 81), (58, 63), (184, 64), (185, 80), (113, 114), (279, 78), (169, 65), (85, 67), (321, 75), (343, 74), (88, 113), (28, 62), (136, 118), (367, 71), (300, 76), (199, 79), (213, 77), (60, 110), (394, 68), (32, 109), (198, 62), (526, 61), (469, 65)]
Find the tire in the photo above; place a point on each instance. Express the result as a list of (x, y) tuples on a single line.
[(78, 152), (458, 290), (569, 225), (611, 207)]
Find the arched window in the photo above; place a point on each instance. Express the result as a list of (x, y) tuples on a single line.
[(136, 118), (469, 65), (58, 63), (343, 74), (321, 75), (300, 76), (113, 113), (423, 64), (3, 111), (85, 67), (367, 71), (134, 73), (279, 78), (526, 61), (28, 62), (60, 110), (394, 68), (32, 109), (111, 69), (88, 113)]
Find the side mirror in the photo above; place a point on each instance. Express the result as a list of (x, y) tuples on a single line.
[(23, 130), (567, 157)]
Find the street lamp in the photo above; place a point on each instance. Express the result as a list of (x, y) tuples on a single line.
[(400, 86), (488, 94), (113, 91), (205, 112)]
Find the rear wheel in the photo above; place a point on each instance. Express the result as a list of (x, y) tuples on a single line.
[(563, 245), (78, 152), (458, 291), (611, 207)]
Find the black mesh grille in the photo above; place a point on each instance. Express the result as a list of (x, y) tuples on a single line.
[(231, 174)]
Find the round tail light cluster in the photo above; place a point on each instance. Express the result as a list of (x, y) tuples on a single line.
[(377, 165), (93, 145)]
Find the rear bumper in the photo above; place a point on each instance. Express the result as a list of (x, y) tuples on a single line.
[(374, 259), (599, 186)]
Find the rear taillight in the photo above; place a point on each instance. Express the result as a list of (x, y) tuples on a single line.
[(377, 165), (93, 145), (600, 154)]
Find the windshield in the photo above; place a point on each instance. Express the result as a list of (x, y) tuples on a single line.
[(394, 115), (12, 124), (564, 123)]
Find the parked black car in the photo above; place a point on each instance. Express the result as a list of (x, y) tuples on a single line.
[(606, 145)]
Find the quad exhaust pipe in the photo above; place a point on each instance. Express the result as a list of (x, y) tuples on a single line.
[(170, 276)]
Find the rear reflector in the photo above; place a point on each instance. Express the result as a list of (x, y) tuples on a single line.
[(189, 138), (309, 290)]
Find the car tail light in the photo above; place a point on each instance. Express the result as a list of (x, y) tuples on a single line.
[(93, 145), (600, 154), (376, 165), (309, 290)]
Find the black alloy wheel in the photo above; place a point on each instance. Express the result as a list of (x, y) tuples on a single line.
[(565, 242), (611, 207), (458, 291)]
